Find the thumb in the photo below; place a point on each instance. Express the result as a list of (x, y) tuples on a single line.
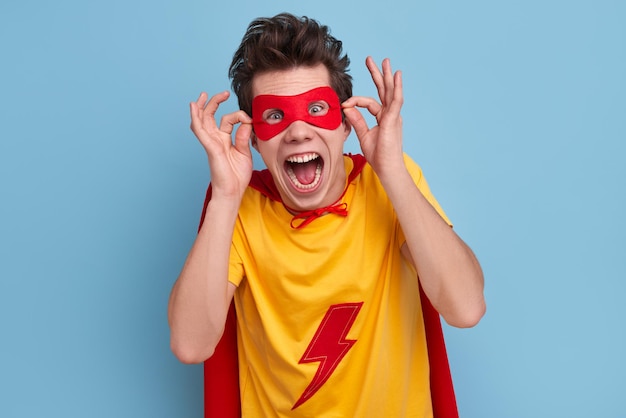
[(357, 121), (242, 139)]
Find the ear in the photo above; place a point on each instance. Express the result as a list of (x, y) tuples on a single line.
[(347, 128), (255, 142)]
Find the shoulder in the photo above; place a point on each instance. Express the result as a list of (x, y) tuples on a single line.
[(414, 169), (368, 175)]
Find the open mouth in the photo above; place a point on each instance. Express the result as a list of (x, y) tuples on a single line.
[(305, 170)]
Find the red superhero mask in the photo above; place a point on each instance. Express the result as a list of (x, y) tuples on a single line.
[(273, 114)]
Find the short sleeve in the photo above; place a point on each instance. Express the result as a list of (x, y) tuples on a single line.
[(416, 173), (235, 265)]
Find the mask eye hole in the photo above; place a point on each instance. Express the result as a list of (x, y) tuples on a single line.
[(318, 108), (273, 116)]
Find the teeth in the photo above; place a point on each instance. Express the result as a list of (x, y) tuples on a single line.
[(294, 179), (303, 158)]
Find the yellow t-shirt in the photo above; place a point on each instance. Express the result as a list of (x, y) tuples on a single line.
[(329, 316)]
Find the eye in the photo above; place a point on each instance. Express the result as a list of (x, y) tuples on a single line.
[(272, 116), (318, 108)]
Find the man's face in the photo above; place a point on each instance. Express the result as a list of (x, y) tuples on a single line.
[(300, 135)]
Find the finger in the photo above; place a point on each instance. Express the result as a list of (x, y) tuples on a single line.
[(388, 80), (228, 122), (377, 76), (242, 139), (196, 117), (193, 112), (357, 121), (397, 98), (201, 102), (212, 105), (194, 107), (398, 93), (372, 106), (203, 113)]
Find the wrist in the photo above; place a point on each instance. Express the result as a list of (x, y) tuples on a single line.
[(390, 173), (224, 203)]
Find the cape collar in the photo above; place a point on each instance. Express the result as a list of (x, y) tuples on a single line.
[(263, 182)]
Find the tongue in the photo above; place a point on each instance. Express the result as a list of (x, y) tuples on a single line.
[(305, 172)]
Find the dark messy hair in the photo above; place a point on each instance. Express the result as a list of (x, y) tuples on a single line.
[(282, 42)]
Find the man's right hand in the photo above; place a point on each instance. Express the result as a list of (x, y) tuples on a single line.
[(230, 165)]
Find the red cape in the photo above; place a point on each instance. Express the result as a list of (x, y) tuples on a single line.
[(221, 371)]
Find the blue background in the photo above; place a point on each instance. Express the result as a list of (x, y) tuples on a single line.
[(515, 110)]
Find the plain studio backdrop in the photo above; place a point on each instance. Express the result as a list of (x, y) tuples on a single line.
[(515, 110)]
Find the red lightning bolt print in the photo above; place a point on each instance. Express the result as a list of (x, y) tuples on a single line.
[(329, 345)]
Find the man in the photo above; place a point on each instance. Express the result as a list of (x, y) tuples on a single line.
[(321, 252)]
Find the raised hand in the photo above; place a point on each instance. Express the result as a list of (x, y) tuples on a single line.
[(230, 164), (381, 144)]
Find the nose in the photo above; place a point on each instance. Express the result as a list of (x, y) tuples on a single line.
[(298, 131)]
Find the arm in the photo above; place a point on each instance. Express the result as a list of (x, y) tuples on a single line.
[(201, 296), (448, 270)]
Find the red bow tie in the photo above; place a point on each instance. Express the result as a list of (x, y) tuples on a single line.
[(309, 216)]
